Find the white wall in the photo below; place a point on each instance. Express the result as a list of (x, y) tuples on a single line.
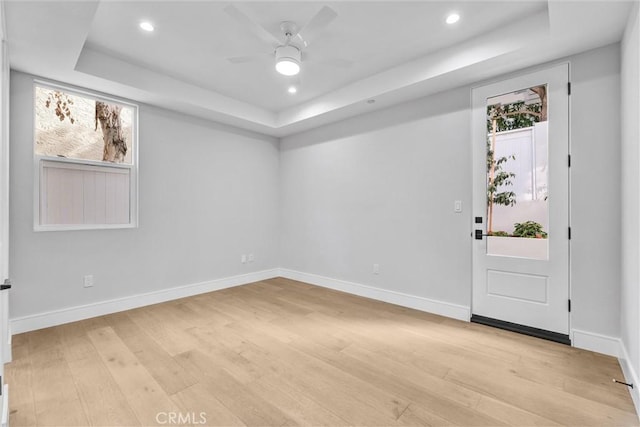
[(595, 191), (207, 192), (380, 188), (630, 177)]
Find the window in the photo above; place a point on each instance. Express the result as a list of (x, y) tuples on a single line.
[(85, 160), (517, 174)]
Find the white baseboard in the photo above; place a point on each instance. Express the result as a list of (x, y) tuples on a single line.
[(595, 342), (72, 314), (630, 376), (441, 308)]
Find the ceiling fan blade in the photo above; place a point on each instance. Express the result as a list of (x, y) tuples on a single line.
[(316, 25), (241, 59), (338, 62), (255, 28), (331, 62), (248, 58)]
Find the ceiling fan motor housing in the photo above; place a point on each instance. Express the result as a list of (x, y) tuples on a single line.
[(288, 52)]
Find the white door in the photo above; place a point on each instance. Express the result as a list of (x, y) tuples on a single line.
[(521, 176)]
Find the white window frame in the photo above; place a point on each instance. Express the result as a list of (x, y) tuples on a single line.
[(38, 163)]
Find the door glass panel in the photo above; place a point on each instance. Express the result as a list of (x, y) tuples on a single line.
[(517, 174)]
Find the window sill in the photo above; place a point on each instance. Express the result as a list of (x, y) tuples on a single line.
[(79, 227)]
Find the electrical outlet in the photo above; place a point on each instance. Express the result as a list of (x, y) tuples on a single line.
[(88, 281), (243, 258), (376, 268), (251, 258)]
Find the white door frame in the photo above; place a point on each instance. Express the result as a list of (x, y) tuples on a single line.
[(5, 333)]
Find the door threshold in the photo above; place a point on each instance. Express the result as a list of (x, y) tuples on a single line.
[(521, 329)]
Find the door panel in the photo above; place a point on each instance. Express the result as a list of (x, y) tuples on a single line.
[(521, 193), (520, 286)]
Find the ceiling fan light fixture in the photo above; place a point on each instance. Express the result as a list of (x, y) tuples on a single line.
[(288, 60), (288, 67)]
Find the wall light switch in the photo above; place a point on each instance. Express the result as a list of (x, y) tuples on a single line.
[(243, 259), (376, 268), (457, 206), (250, 258)]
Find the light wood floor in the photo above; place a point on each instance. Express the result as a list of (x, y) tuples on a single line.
[(280, 352)]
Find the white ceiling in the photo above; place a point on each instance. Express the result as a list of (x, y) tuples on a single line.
[(398, 51)]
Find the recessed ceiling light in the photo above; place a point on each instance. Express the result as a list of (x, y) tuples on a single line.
[(147, 26), (453, 18), (292, 89)]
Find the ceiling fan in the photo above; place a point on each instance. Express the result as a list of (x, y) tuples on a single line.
[(288, 48)]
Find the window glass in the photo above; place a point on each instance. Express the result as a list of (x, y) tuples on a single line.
[(75, 126)]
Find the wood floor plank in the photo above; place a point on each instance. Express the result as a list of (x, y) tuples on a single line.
[(475, 357), (270, 301), (74, 341), (18, 375), (96, 322), (169, 336), (164, 369), (468, 398), (308, 374), (209, 315), (18, 340), (282, 353), (252, 409), (196, 402), (301, 327), (523, 348), (103, 401), (43, 340), (541, 400), (228, 359), (215, 336), (143, 393), (56, 398), (236, 308), (415, 415), (298, 407), (612, 394), (452, 403)]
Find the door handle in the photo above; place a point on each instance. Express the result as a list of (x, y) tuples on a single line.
[(479, 234), (5, 285)]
